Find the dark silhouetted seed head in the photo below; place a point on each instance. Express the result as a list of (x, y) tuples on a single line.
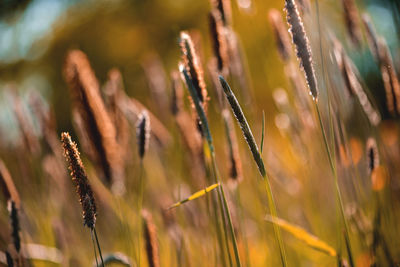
[(302, 45), (372, 155), (80, 180), (150, 237), (218, 38), (192, 65), (281, 34), (14, 218), (143, 132)]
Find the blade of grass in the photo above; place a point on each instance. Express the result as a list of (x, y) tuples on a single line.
[(301, 234), (262, 132), (248, 135), (196, 195), (337, 189)]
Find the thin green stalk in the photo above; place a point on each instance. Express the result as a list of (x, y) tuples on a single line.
[(272, 210), (338, 194), (262, 132), (223, 220), (98, 246), (140, 204), (207, 135), (94, 247), (225, 208), (217, 221), (242, 226)]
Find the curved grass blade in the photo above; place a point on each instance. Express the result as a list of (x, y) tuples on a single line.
[(301, 234), (248, 135), (196, 195), (262, 132)]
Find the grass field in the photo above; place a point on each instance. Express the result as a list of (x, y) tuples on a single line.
[(200, 133)]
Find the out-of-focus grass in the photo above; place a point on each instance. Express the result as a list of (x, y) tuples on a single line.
[(123, 34)]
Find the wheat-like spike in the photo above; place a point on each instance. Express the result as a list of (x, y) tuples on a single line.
[(225, 10), (248, 135), (114, 92), (351, 78), (7, 184), (143, 132), (15, 225), (30, 140), (88, 102), (302, 45), (304, 6), (352, 22), (390, 79), (9, 259), (192, 65), (80, 180), (46, 118), (156, 79), (235, 165), (176, 94), (218, 38), (281, 34), (372, 155), (371, 35), (150, 235)]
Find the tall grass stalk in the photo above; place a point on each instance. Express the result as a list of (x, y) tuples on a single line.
[(140, 206), (207, 134), (337, 188), (248, 135)]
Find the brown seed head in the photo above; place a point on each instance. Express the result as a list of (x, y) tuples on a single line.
[(372, 155), (235, 164), (80, 180), (224, 8), (143, 132), (15, 228), (302, 45), (177, 93), (150, 235), (352, 22), (192, 64), (281, 35), (218, 38), (390, 79), (95, 119), (7, 185)]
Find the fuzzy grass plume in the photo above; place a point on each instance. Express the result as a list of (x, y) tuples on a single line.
[(80, 180), (303, 49), (143, 133), (150, 236), (95, 119)]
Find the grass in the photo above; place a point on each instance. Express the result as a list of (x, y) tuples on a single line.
[(174, 185)]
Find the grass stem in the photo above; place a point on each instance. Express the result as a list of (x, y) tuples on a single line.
[(337, 189)]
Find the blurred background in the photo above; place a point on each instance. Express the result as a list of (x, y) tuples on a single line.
[(35, 36)]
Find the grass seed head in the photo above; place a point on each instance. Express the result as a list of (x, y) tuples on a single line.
[(218, 38), (150, 236), (191, 62), (80, 180), (302, 45), (143, 132), (352, 21), (281, 35)]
